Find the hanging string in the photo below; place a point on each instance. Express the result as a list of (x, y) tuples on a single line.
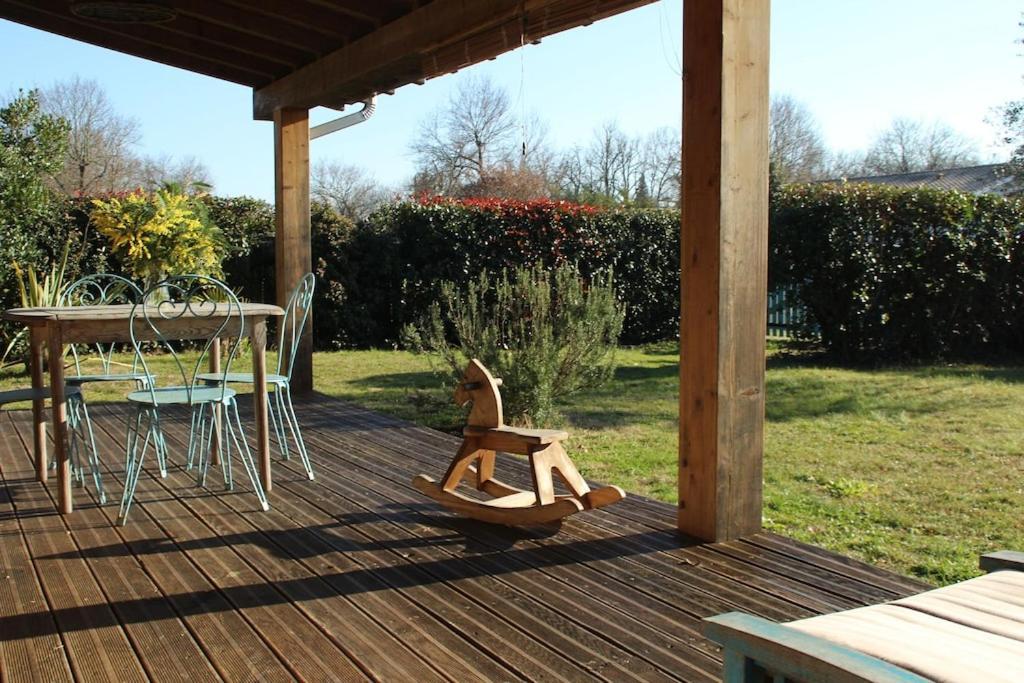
[(522, 77), (669, 52)]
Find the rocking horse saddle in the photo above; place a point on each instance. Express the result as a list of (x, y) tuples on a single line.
[(484, 434)]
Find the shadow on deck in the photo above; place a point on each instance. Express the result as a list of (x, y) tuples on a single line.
[(357, 576)]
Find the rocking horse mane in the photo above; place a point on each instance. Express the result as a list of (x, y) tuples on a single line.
[(480, 387)]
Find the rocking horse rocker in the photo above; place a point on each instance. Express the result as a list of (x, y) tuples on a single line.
[(485, 433)]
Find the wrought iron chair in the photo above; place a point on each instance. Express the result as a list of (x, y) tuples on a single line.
[(76, 433), (280, 407), (101, 289), (180, 298)]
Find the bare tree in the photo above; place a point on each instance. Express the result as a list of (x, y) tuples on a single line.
[(618, 168), (909, 145), (795, 147), (99, 155), (188, 173), (661, 158), (475, 140), (842, 164), (348, 189)]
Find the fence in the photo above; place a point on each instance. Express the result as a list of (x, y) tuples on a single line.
[(784, 314)]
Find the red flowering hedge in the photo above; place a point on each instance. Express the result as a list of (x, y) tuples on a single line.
[(399, 256)]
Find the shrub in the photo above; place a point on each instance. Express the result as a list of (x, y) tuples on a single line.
[(403, 252), (897, 274), (548, 334), (158, 234), (31, 147), (248, 228)]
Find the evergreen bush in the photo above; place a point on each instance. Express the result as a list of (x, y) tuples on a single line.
[(404, 251), (890, 274), (547, 333)]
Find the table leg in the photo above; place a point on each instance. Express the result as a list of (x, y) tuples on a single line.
[(37, 341), (217, 413), (60, 419), (258, 342)]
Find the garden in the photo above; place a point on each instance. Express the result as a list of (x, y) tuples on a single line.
[(894, 411)]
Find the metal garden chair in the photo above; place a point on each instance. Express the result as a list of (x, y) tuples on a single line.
[(76, 433), (180, 298), (280, 407), (102, 289)]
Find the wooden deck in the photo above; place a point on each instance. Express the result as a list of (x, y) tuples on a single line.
[(356, 576)]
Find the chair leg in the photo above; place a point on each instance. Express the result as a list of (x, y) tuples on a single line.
[(237, 434), (293, 425), (94, 455), (134, 459), (225, 456), (159, 443), (131, 439), (205, 443), (74, 436), (194, 429), (275, 421)]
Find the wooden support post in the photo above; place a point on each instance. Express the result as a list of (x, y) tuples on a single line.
[(37, 350), (724, 248), (293, 254), (58, 404)]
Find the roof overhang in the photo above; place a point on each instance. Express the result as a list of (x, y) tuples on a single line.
[(307, 53)]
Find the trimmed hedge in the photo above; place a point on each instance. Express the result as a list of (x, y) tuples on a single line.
[(889, 274), (883, 273), (248, 227), (403, 251)]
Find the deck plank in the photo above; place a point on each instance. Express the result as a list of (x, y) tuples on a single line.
[(39, 654), (276, 552), (357, 576), (240, 654), (309, 653), (821, 596), (164, 646), (97, 645), (376, 537)]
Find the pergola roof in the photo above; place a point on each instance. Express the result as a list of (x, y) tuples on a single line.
[(306, 53)]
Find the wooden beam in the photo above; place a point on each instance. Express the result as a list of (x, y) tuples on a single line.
[(270, 29), (724, 248), (188, 36), (103, 36), (310, 17), (292, 248), (437, 38)]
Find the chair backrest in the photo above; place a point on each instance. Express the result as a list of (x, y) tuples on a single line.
[(176, 305), (293, 324), (481, 387), (101, 289)]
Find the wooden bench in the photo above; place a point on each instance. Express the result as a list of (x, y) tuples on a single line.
[(970, 631)]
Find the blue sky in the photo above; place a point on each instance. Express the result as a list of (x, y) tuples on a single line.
[(855, 64)]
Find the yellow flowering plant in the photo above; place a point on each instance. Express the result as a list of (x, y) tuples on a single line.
[(159, 234)]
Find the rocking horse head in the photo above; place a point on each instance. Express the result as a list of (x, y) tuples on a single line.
[(480, 387)]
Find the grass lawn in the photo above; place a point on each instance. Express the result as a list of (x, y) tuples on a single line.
[(918, 470)]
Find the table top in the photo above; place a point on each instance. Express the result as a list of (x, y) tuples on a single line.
[(124, 311)]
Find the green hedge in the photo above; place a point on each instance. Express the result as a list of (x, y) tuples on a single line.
[(248, 227), (883, 273), (401, 254), (384, 273), (893, 274)]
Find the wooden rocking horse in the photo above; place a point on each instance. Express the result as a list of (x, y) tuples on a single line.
[(485, 433)]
